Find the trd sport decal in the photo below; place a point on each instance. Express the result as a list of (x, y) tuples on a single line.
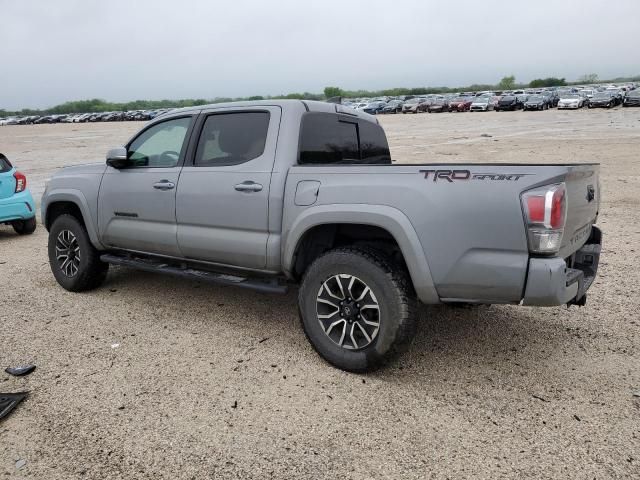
[(451, 175)]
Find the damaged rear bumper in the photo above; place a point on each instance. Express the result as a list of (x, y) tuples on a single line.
[(556, 281)]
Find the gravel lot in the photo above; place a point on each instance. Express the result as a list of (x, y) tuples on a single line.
[(154, 377)]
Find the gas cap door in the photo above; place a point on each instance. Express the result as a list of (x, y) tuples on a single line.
[(307, 192)]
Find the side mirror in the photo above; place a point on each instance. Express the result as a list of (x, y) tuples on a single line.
[(117, 158)]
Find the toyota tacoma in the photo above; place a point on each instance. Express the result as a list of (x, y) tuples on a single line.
[(272, 194)]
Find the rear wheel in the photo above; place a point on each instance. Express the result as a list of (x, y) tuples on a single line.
[(24, 227), (357, 308), (74, 261)]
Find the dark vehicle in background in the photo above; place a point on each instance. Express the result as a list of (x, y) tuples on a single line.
[(394, 106), (509, 102), (27, 120), (413, 105), (536, 102), (439, 105), (602, 100), (632, 99), (552, 98), (374, 108), (460, 104)]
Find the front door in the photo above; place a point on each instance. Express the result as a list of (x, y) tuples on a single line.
[(137, 204), (223, 195)]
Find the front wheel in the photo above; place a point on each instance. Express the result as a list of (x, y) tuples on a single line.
[(358, 308), (25, 227), (74, 261)]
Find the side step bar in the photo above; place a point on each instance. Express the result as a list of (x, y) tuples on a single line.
[(147, 265)]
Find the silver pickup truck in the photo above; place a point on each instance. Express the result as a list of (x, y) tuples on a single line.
[(268, 194)]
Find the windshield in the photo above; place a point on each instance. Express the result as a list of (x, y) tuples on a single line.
[(535, 98), (573, 96), (414, 100), (602, 95), (508, 98), (481, 100)]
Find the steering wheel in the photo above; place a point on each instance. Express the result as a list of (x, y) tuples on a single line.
[(169, 156)]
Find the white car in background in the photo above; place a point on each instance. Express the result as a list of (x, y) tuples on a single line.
[(481, 104), (571, 101)]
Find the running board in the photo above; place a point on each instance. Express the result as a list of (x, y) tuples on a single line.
[(149, 265)]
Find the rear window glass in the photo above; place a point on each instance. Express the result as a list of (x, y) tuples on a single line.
[(328, 138), (5, 165), (232, 138)]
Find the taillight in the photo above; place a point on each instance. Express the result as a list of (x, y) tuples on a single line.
[(21, 182), (545, 211)]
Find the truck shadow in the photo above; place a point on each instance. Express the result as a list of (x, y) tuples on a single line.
[(449, 341)]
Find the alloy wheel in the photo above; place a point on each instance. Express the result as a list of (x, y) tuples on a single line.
[(348, 311), (68, 253)]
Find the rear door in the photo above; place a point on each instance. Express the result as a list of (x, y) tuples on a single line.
[(223, 194), (137, 204), (7, 180)]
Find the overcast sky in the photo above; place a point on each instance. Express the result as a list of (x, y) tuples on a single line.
[(54, 51)]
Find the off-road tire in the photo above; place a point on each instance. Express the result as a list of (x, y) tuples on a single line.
[(392, 287), (24, 227), (91, 271)]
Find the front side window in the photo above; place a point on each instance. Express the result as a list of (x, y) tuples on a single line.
[(159, 145), (328, 138), (232, 138)]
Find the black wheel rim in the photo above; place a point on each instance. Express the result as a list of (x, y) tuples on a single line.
[(348, 311), (68, 253)]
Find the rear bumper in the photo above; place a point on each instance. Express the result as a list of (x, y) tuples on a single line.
[(17, 207), (551, 281)]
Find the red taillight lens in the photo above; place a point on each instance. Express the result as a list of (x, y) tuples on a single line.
[(21, 182), (545, 211), (557, 209), (535, 207)]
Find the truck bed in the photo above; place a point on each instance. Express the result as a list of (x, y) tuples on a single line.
[(468, 217)]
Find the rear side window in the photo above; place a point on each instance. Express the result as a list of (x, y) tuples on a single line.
[(5, 165), (232, 138), (327, 138)]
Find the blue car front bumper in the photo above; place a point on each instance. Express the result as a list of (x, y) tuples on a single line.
[(17, 207)]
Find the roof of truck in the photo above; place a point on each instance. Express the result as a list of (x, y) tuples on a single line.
[(308, 105)]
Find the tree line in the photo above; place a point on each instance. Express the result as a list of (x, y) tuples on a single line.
[(506, 83)]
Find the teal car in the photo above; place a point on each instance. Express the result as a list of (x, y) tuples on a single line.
[(16, 203)]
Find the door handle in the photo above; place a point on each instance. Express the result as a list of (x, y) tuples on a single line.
[(248, 186), (164, 185)]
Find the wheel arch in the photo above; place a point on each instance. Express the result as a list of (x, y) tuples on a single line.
[(384, 222), (70, 202)]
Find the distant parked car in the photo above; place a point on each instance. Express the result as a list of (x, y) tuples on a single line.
[(551, 98), (536, 102), (571, 101), (509, 102), (394, 106), (481, 104), (602, 100), (374, 107), (632, 99), (439, 105), (460, 104), (413, 105), (16, 203)]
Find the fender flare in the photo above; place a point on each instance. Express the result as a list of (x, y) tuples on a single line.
[(77, 198), (390, 219)]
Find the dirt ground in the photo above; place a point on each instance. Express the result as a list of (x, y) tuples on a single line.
[(154, 377)]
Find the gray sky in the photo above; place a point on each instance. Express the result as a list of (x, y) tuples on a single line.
[(54, 51)]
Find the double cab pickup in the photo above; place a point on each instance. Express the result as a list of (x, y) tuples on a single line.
[(273, 194)]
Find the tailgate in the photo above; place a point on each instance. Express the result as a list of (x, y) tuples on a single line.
[(583, 201)]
